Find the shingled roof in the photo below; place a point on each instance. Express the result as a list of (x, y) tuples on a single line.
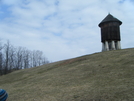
[(109, 18)]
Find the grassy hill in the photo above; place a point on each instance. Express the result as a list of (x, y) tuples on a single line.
[(105, 76)]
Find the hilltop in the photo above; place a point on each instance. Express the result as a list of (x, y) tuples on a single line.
[(105, 76)]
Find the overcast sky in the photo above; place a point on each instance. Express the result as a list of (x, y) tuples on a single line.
[(63, 29)]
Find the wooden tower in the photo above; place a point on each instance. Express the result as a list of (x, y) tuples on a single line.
[(110, 33)]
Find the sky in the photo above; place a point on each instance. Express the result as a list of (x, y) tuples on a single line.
[(63, 29)]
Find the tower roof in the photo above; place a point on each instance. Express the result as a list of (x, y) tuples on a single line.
[(110, 18)]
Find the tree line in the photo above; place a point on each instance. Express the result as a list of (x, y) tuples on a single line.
[(16, 58)]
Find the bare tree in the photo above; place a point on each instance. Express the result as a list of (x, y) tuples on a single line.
[(38, 58), (19, 58), (1, 60), (34, 62), (12, 58), (6, 57), (26, 58)]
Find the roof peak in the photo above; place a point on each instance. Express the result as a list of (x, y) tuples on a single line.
[(110, 18)]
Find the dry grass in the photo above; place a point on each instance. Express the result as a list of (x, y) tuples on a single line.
[(107, 76)]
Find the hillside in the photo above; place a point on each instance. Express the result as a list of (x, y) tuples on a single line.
[(105, 76)]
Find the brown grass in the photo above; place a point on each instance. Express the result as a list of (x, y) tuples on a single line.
[(106, 76)]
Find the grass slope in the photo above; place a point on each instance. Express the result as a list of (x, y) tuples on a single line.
[(106, 76)]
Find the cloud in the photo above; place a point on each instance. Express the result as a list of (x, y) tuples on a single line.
[(63, 29)]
